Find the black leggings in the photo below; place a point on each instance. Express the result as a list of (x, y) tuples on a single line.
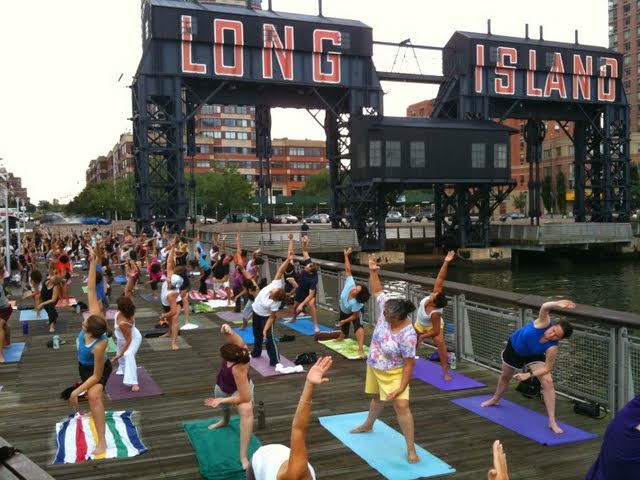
[(356, 323), (203, 282), (52, 313)]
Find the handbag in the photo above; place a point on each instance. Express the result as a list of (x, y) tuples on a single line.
[(530, 388)]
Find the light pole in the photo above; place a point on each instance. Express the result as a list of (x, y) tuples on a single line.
[(7, 233), (18, 214)]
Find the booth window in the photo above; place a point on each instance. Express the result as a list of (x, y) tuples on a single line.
[(500, 155), (392, 154), (478, 155), (417, 155), (375, 153)]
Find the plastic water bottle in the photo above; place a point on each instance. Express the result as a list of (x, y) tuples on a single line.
[(56, 342), (25, 328), (77, 308), (262, 421), (454, 364)]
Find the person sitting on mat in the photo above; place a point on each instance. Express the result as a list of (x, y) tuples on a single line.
[(536, 346), (392, 356), (234, 387), (619, 456), (306, 292), (278, 462), (265, 306), (128, 340), (5, 312), (93, 364), (429, 322)]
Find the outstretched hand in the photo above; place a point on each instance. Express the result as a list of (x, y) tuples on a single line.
[(315, 375), (225, 329), (373, 264), (499, 470), (291, 236), (347, 251), (213, 402), (565, 304), (450, 256)]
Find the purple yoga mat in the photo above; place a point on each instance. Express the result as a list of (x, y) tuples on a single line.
[(261, 365), (528, 423), (431, 373), (118, 391), (228, 316)]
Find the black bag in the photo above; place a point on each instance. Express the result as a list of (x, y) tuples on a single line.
[(593, 410), (7, 452), (530, 388), (306, 358)]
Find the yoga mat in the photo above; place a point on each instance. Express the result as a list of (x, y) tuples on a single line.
[(261, 365), (64, 302), (121, 279), (218, 451), (116, 390), (383, 448), (13, 353), (202, 308), (218, 303), (76, 441), (196, 295), (111, 314), (231, 316), (111, 346), (431, 373), (85, 289), (303, 325), (247, 335), (28, 315), (347, 348), (148, 297), (527, 423), (192, 325)]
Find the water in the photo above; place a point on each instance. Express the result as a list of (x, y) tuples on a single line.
[(602, 283)]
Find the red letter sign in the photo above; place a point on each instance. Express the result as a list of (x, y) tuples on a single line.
[(219, 26), (532, 91), (333, 58), (582, 77), (610, 95), (506, 84), (284, 53), (188, 66), (479, 65)]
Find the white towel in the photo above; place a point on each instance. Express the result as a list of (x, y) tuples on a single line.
[(282, 369)]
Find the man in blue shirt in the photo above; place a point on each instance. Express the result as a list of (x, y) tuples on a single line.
[(307, 283)]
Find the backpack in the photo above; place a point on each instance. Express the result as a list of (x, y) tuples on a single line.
[(306, 358), (530, 388)]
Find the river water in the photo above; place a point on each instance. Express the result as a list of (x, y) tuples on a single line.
[(602, 283)]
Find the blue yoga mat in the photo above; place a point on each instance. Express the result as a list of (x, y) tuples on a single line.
[(431, 373), (527, 423), (29, 315), (383, 448), (303, 325), (247, 335), (13, 353), (121, 279)]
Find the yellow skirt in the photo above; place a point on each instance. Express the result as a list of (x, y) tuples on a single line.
[(422, 329), (383, 382)]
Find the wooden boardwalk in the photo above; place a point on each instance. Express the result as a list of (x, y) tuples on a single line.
[(30, 407)]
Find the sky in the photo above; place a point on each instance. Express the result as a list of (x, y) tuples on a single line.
[(67, 65)]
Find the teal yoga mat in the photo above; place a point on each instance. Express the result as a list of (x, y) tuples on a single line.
[(13, 353), (218, 451), (384, 449), (303, 325)]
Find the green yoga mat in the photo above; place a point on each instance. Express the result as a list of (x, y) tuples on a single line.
[(111, 346), (85, 289), (218, 451), (347, 348), (203, 308)]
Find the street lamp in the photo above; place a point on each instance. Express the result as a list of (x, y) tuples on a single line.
[(7, 238)]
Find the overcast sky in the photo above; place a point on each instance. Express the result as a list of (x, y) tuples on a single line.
[(63, 104)]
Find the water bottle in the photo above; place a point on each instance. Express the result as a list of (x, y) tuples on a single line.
[(25, 328), (56, 342), (453, 361), (262, 423)]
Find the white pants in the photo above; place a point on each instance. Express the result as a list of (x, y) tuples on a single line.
[(127, 363)]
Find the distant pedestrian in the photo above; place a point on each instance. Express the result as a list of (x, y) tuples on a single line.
[(304, 228)]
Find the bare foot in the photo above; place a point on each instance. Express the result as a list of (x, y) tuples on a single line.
[(135, 388), (219, 424), (413, 457), (1, 358), (489, 403), (361, 354), (174, 347), (165, 335), (556, 429), (101, 447), (245, 463), (447, 377), (362, 429)]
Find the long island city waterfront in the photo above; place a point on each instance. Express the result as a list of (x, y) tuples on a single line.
[(300, 239)]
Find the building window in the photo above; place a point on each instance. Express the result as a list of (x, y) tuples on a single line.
[(500, 155), (547, 153), (229, 109), (203, 164), (296, 152), (627, 46), (521, 179), (230, 135), (572, 150), (416, 155), (242, 135), (375, 153), (392, 154), (626, 21), (558, 151), (478, 155), (626, 59)]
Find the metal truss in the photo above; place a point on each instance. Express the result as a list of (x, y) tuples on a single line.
[(263, 152), (158, 138)]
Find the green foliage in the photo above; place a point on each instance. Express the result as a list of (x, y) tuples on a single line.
[(635, 187), (520, 201), (225, 188), (44, 206), (561, 193), (547, 199), (99, 198), (317, 185)]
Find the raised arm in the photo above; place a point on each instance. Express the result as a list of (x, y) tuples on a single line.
[(305, 247), (543, 315), (297, 466), (232, 337), (171, 259), (442, 274), (347, 263), (283, 267), (95, 307), (290, 249), (374, 279)]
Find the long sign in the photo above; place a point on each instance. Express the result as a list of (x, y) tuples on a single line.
[(575, 76)]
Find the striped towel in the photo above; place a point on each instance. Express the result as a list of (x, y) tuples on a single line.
[(77, 438), (196, 295)]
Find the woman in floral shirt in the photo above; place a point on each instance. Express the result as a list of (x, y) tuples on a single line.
[(391, 360)]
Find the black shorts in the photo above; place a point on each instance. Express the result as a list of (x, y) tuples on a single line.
[(167, 309), (154, 284), (356, 323), (517, 361), (87, 370), (6, 312)]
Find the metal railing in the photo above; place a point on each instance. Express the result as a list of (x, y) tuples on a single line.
[(562, 233), (599, 363)]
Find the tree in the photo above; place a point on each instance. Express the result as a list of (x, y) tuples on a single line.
[(316, 185), (44, 206), (520, 201), (561, 193), (98, 199), (225, 189), (547, 199)]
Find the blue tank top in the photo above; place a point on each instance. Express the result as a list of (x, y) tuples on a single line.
[(85, 352), (526, 340)]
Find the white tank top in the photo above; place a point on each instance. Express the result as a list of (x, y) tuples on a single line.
[(268, 459), (164, 293), (424, 318)]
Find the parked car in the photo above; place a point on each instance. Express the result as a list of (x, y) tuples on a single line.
[(94, 221), (516, 216), (284, 218), (418, 217), (206, 220), (241, 217), (53, 218), (394, 217), (318, 218)]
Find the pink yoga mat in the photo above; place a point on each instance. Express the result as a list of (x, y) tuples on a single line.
[(118, 391), (230, 316), (111, 314), (261, 365), (196, 295)]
